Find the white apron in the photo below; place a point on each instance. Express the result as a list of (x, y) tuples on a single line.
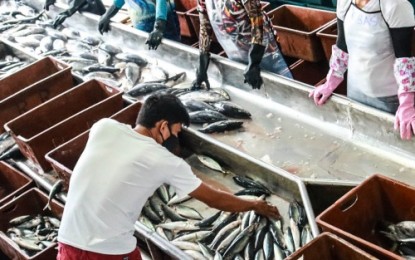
[(371, 54)]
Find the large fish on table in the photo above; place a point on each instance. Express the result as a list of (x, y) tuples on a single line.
[(203, 95), (221, 126), (231, 109), (206, 116), (145, 88)]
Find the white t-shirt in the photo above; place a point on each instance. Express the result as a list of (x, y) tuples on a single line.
[(115, 175)]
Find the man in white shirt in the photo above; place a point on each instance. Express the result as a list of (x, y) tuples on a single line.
[(120, 169)]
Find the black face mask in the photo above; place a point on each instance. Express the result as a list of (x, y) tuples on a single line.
[(171, 143)]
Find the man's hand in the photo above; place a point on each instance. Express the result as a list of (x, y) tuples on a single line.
[(253, 77), (59, 19), (201, 72), (263, 208), (48, 3), (253, 72), (154, 38)]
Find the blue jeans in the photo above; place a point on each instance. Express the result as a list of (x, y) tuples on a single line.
[(387, 104)]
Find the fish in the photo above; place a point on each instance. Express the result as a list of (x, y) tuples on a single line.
[(248, 183), (196, 255), (223, 233), (288, 237), (295, 231), (171, 214), (46, 44), (29, 31), (260, 255), (231, 109), (206, 116), (193, 237), (278, 252), (207, 252), (104, 57), (109, 48), (150, 214), (146, 222), (24, 20), (131, 57), (187, 212), (99, 67), (209, 221), (297, 213), (203, 95), (19, 220), (153, 73), (226, 242), (132, 74), (90, 40), (268, 246), (195, 105), (12, 153), (221, 126), (163, 193), (27, 244), (142, 89), (176, 199), (56, 188), (70, 33), (156, 204), (277, 234), (179, 225), (184, 245), (210, 163), (252, 191), (306, 235), (240, 241), (228, 219)]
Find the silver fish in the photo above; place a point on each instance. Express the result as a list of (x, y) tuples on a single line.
[(56, 188), (187, 212), (211, 163), (203, 95), (184, 245)]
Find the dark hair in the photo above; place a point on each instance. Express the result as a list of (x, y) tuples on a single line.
[(162, 106)]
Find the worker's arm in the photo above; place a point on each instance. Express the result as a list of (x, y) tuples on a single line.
[(228, 202)]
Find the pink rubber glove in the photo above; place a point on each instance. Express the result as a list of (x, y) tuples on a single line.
[(324, 91), (338, 66), (404, 71), (405, 116)]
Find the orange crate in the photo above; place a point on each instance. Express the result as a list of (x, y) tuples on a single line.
[(309, 72), (60, 119), (356, 215), (296, 28), (64, 157), (330, 247), (328, 38), (12, 183), (30, 74), (29, 203), (34, 95), (182, 6)]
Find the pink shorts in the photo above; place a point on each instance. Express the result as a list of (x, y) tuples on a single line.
[(67, 252)]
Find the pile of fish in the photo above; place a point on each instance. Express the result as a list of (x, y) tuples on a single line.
[(10, 64), (33, 234), (225, 235), (92, 58), (402, 235)]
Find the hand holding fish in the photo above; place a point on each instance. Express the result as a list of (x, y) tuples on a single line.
[(262, 207)]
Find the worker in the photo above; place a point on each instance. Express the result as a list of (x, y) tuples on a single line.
[(157, 17), (91, 6), (374, 45), (245, 33), (119, 169)]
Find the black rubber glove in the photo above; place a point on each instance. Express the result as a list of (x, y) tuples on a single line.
[(104, 22), (60, 18), (201, 72), (154, 38), (48, 3), (253, 72)]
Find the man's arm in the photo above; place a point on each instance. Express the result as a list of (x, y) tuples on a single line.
[(228, 202)]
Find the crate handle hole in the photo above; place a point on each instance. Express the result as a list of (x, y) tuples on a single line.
[(348, 204), (10, 208)]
